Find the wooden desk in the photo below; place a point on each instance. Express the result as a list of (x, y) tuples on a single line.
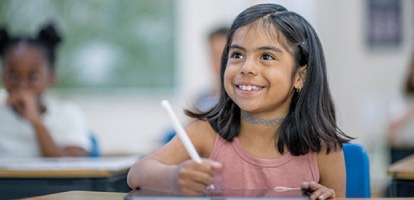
[(120, 196), (40, 176), (402, 173), (403, 169), (82, 195)]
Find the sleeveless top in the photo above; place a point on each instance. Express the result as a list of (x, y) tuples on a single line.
[(241, 170)]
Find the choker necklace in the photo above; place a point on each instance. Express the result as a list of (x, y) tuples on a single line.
[(257, 120)]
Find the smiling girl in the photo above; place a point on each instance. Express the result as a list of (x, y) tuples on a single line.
[(274, 125)]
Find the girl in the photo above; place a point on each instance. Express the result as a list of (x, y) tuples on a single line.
[(30, 124), (274, 125)]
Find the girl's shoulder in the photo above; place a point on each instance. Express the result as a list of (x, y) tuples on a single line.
[(335, 153), (332, 170), (202, 135), (330, 161)]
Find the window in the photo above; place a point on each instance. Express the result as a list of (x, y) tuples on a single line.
[(113, 44)]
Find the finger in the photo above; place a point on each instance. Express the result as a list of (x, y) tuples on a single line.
[(314, 185), (310, 186), (313, 189), (316, 194), (197, 176), (193, 187), (192, 165), (213, 164), (327, 194), (306, 186), (18, 106), (207, 166), (323, 193), (204, 167), (14, 99)]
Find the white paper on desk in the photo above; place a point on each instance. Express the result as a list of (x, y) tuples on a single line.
[(84, 163)]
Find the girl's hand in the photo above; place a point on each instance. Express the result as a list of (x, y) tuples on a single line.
[(318, 191), (192, 178), (25, 103)]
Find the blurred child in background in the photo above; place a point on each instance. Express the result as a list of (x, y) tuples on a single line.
[(32, 124), (401, 128), (216, 42), (209, 98)]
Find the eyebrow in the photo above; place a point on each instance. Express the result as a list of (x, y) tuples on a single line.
[(235, 46), (271, 48)]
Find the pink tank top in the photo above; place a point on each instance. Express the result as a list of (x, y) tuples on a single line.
[(243, 171)]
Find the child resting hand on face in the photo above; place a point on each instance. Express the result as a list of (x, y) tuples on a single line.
[(32, 124)]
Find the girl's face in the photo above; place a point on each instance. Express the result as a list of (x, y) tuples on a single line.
[(25, 67), (260, 76)]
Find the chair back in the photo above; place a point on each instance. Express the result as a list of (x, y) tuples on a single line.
[(94, 151), (357, 171)]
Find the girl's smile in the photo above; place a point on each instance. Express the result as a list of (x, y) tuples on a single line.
[(248, 89)]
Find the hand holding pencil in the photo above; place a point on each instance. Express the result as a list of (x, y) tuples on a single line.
[(196, 175)]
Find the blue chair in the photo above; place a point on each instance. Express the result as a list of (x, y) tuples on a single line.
[(168, 136), (357, 171), (94, 151)]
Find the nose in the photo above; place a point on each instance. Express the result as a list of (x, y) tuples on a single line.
[(249, 67), (23, 84)]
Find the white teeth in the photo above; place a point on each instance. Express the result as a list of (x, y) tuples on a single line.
[(249, 87)]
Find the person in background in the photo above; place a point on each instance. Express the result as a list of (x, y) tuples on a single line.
[(32, 124), (208, 98), (274, 125), (401, 128), (216, 41), (400, 133)]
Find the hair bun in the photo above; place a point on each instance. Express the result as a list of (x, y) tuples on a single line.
[(49, 35), (4, 39)]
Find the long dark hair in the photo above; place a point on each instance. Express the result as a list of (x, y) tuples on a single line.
[(409, 86), (46, 40), (310, 124)]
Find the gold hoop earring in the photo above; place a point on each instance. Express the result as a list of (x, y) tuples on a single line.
[(298, 90)]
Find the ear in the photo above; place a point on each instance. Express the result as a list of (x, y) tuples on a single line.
[(300, 77)]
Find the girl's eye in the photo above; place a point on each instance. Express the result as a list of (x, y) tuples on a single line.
[(33, 77), (236, 55), (267, 57), (13, 77)]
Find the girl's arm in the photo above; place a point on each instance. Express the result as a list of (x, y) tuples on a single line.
[(170, 168), (332, 176), (48, 147)]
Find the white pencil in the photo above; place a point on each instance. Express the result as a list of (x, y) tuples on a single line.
[(181, 132)]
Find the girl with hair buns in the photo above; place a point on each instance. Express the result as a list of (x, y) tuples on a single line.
[(32, 124)]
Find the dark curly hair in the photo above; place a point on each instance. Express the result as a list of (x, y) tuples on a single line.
[(46, 39)]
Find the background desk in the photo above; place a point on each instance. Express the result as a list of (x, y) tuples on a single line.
[(82, 195), (402, 173), (34, 177)]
